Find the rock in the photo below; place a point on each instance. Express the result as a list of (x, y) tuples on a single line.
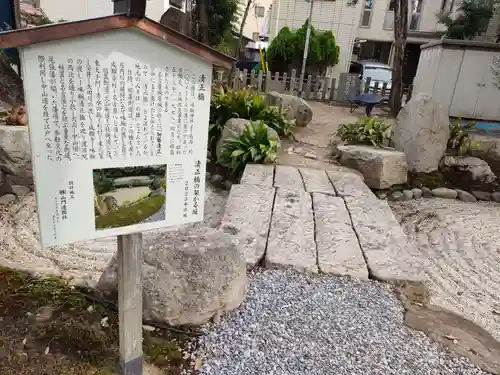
[(299, 150), (426, 192), (310, 155), (316, 180), (216, 180), (467, 172), (234, 127), (247, 216), (380, 167), (288, 177), (337, 245), (227, 185), (495, 196), (407, 195), (350, 185), (188, 280), (465, 196), (296, 108), (417, 193), (481, 195), (381, 194), (7, 198), (487, 148), (258, 174), (396, 196), (291, 238), (207, 176), (421, 131), (15, 151), (444, 193)]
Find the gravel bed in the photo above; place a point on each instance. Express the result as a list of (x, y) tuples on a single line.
[(296, 324)]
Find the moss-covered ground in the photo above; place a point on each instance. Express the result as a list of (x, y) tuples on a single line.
[(49, 328)]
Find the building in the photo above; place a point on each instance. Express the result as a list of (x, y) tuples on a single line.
[(365, 31)]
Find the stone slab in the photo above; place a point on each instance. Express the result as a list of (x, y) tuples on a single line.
[(247, 217), (389, 254), (291, 238), (338, 248), (288, 178), (258, 174), (316, 181), (350, 185)]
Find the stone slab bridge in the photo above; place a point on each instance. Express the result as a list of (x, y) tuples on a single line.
[(317, 221)]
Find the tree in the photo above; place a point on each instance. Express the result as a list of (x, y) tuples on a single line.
[(472, 18), (287, 49), (400, 37)]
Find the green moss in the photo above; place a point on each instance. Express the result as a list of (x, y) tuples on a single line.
[(130, 215)]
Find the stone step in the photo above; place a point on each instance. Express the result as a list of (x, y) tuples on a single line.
[(316, 181), (288, 178), (389, 254), (247, 217), (258, 174), (291, 238), (338, 248), (350, 185)]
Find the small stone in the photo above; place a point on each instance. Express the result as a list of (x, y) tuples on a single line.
[(20, 191), (496, 196), (6, 199), (481, 195), (216, 180), (298, 150), (465, 196), (310, 155), (208, 176), (381, 194), (444, 193), (289, 150), (227, 185), (417, 193), (396, 196), (426, 192), (105, 322), (407, 195), (148, 328)]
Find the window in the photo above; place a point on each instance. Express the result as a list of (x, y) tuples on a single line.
[(367, 14), (259, 11), (392, 5), (177, 3), (255, 37)]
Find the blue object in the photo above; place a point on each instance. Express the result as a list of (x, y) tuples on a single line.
[(7, 22), (369, 101)]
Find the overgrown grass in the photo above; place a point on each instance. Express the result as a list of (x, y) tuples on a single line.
[(47, 327), (131, 214)]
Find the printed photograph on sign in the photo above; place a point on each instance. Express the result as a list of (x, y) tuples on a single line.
[(129, 195)]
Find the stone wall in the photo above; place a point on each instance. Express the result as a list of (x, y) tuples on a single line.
[(16, 171)]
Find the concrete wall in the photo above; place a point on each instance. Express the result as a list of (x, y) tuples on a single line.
[(72, 10)]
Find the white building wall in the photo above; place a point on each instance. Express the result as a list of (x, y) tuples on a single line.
[(253, 23), (72, 10)]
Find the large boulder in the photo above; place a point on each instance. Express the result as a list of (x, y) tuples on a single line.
[(421, 131), (15, 150), (381, 167), (234, 127), (189, 279), (296, 108), (468, 173)]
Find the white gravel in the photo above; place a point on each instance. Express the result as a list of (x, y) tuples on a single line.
[(296, 324)]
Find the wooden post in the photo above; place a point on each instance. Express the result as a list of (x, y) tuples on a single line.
[(130, 303)]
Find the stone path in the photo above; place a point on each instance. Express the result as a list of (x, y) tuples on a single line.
[(314, 220)]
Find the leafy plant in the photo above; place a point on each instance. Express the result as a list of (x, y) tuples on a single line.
[(367, 131), (460, 141), (274, 117), (254, 145)]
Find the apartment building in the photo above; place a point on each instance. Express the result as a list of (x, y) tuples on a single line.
[(366, 31)]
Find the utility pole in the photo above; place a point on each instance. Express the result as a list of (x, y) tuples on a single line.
[(306, 48)]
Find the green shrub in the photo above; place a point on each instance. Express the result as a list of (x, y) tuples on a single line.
[(274, 117), (366, 131), (253, 146), (459, 141)]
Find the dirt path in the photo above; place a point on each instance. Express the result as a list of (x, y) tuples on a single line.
[(312, 146)]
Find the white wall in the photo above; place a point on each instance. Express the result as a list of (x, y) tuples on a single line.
[(336, 16), (72, 10), (253, 24)]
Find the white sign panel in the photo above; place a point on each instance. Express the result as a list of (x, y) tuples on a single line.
[(119, 127)]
